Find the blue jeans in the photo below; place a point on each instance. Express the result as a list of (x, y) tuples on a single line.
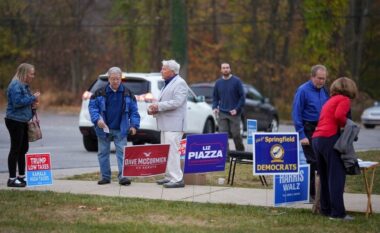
[(104, 145)]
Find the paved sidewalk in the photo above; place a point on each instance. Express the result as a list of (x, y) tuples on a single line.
[(192, 193)]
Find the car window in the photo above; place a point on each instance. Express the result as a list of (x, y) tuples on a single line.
[(138, 87), (252, 93), (190, 96), (205, 91)]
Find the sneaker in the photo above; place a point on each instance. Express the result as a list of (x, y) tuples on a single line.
[(15, 183), (345, 218), (124, 181), (103, 181), (22, 179)]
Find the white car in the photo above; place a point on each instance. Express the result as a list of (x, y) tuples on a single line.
[(146, 87), (371, 116)]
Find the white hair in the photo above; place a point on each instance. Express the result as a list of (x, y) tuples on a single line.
[(172, 65), (114, 70)]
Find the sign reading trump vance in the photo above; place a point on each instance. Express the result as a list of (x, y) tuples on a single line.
[(275, 153)]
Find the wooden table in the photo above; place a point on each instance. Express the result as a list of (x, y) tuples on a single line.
[(368, 167)]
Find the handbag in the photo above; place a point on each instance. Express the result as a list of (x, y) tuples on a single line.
[(34, 130)]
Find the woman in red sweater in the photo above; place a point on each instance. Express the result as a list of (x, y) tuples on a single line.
[(330, 166)]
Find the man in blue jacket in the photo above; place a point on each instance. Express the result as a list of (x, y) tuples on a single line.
[(113, 110), (307, 105)]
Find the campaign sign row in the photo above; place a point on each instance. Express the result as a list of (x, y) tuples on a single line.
[(273, 154)]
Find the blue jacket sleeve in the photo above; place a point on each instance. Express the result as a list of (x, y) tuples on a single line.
[(242, 97), (134, 116), (215, 97), (298, 108), (21, 99), (94, 110)]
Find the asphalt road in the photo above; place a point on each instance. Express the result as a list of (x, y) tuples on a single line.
[(62, 139)]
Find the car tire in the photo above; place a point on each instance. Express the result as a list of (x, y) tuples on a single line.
[(209, 127), (369, 126), (90, 144), (274, 125)]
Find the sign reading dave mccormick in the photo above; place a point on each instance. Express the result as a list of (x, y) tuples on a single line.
[(206, 153), (145, 160), (289, 189), (275, 153), (38, 169)]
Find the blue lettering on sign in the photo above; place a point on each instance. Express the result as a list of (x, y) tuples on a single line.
[(291, 188)]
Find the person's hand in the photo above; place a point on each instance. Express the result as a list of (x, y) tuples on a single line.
[(305, 141), (216, 111), (101, 124), (37, 94), (152, 109), (233, 112), (132, 131)]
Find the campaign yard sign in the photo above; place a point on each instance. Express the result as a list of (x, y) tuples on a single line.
[(289, 189), (38, 169), (275, 153), (206, 153), (145, 160), (251, 128)]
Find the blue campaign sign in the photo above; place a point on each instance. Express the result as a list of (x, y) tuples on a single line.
[(38, 169), (290, 189), (275, 153), (38, 178), (206, 153), (251, 128)]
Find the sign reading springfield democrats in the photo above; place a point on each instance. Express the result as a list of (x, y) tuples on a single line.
[(206, 153), (275, 153), (145, 160)]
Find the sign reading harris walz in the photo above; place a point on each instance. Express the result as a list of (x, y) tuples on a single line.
[(275, 153), (206, 153)]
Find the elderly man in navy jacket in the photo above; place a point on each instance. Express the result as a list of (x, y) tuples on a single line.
[(113, 110)]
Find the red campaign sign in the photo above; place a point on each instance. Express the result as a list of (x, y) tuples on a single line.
[(36, 162), (145, 160)]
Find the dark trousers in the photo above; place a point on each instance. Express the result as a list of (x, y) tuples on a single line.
[(311, 159), (332, 176), (231, 124), (18, 132)]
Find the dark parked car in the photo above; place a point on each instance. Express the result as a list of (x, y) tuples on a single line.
[(256, 106)]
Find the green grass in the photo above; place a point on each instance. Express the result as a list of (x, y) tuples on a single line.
[(244, 177), (37, 211)]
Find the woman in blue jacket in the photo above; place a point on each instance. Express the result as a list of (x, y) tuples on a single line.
[(18, 113)]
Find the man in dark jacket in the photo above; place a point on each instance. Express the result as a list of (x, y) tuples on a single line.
[(113, 111)]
